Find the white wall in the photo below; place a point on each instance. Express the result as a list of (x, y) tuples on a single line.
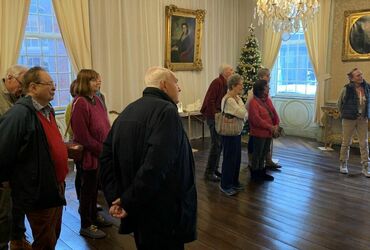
[(129, 36)]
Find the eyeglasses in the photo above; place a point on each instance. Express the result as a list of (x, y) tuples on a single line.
[(50, 83), (17, 80)]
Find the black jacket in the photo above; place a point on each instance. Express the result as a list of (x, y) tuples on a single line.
[(147, 162), (25, 160), (349, 101)]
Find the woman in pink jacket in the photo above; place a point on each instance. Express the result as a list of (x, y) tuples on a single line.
[(263, 123)]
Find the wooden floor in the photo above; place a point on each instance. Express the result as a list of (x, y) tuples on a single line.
[(310, 205)]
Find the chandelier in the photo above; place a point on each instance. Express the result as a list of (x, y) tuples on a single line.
[(286, 16)]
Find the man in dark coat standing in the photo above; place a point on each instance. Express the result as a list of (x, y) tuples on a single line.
[(147, 168)]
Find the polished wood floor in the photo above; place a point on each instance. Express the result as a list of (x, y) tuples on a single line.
[(310, 205)]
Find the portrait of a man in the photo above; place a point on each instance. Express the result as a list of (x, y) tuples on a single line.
[(182, 39), (360, 35)]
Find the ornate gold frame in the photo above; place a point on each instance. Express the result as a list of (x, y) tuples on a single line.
[(348, 53), (199, 16)]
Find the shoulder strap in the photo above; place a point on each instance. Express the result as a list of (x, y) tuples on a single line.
[(223, 109), (70, 119), (266, 107)]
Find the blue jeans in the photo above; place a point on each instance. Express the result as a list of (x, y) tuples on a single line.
[(216, 149), (231, 161)]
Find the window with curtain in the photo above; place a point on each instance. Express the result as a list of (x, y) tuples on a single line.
[(43, 46), (293, 74)]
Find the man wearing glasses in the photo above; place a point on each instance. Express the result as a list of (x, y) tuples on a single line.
[(11, 219), (34, 158)]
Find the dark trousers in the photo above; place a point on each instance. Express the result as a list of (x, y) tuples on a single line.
[(231, 161), (88, 197), (261, 146), (45, 225), (166, 244), (78, 179), (216, 148), (11, 219)]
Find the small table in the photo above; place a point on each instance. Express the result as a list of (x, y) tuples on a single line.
[(193, 115)]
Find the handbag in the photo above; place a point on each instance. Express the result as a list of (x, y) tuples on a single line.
[(227, 124), (74, 149)]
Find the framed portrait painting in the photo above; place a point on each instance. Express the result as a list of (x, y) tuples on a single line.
[(356, 35), (183, 38)]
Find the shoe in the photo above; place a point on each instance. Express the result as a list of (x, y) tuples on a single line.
[(212, 177), (366, 171), (99, 208), (239, 187), (218, 174), (22, 244), (271, 164), (92, 232), (228, 191), (101, 222), (343, 168), (266, 177)]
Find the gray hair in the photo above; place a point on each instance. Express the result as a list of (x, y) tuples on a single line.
[(234, 80), (262, 72), (223, 67), (16, 70), (155, 75)]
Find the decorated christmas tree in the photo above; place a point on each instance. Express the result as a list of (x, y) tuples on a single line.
[(250, 61)]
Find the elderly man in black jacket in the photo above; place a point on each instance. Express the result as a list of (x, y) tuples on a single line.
[(147, 168)]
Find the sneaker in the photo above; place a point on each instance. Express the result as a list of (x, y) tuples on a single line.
[(343, 168), (271, 164), (228, 191), (92, 232), (239, 187), (23, 244), (101, 222), (366, 172)]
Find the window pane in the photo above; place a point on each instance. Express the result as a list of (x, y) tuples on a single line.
[(64, 97), (63, 81), (45, 7), (32, 23), (43, 46), (63, 64), (292, 73), (46, 24)]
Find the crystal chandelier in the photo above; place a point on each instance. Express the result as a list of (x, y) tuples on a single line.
[(286, 15)]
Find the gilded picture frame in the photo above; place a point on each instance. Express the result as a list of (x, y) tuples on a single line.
[(184, 29), (356, 35)]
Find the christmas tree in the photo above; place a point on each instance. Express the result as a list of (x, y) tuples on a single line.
[(250, 61)]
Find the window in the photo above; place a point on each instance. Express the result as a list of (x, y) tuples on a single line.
[(292, 74), (43, 46)]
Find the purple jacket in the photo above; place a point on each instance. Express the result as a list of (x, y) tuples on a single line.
[(90, 126)]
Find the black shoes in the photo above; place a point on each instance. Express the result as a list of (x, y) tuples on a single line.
[(260, 175), (212, 177), (218, 174)]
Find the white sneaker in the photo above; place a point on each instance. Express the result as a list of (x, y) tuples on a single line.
[(343, 168), (366, 171)]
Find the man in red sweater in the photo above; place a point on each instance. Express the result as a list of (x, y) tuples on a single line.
[(212, 105), (34, 158)]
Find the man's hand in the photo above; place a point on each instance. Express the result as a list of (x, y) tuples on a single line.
[(116, 210)]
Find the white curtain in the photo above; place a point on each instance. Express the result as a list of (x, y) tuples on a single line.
[(271, 47), (13, 19), (317, 39), (73, 20), (129, 36)]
